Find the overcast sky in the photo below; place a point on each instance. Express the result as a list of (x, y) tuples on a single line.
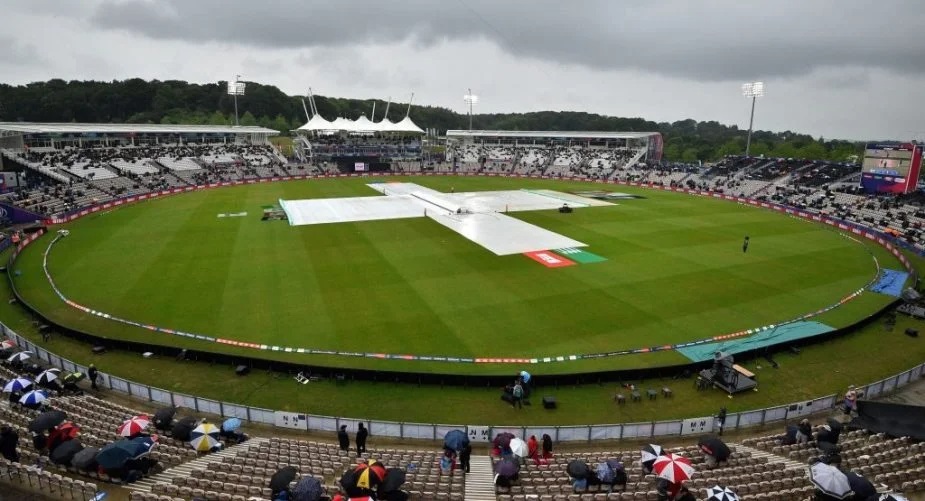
[(836, 68)]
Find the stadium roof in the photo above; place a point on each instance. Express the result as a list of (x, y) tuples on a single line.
[(85, 128), (360, 125), (545, 134)]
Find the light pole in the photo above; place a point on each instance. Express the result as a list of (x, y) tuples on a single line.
[(236, 89), (470, 99), (753, 90)]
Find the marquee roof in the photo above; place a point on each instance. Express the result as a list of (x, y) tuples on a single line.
[(360, 125), (87, 128)]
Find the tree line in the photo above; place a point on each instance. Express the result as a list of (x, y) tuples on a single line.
[(178, 102)]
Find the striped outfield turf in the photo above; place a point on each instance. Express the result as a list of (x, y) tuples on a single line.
[(672, 271)]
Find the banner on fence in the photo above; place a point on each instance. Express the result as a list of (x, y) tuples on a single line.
[(291, 420), (693, 426), (479, 433)]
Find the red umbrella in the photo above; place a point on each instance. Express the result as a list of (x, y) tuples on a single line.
[(7, 344), (133, 426), (673, 468), (62, 433)]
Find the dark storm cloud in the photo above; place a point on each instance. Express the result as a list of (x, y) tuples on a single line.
[(715, 40)]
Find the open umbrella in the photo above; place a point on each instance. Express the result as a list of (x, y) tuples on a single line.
[(64, 453), (525, 376), (830, 480), (115, 455), (673, 468), (231, 425), (62, 433), (720, 493), (604, 473), (892, 496), (163, 417), (184, 427), (17, 385), (143, 445), (394, 479), (85, 459), (6, 344), (650, 453), (280, 480), (455, 440), (20, 356), (133, 426), (507, 468), (204, 437), (307, 489), (364, 479), (861, 487), (34, 397), (519, 447), (715, 447), (578, 469), (47, 376), (503, 440), (47, 420)]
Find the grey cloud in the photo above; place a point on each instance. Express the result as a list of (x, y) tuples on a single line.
[(718, 40), (19, 53)]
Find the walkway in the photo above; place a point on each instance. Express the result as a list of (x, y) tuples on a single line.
[(786, 463), (480, 482), (185, 469)]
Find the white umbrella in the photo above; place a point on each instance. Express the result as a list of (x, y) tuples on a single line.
[(673, 468), (720, 493), (34, 397), (17, 385), (48, 376), (519, 447), (21, 356), (830, 480), (892, 496)]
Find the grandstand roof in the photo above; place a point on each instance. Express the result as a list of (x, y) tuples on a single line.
[(549, 134), (85, 128)]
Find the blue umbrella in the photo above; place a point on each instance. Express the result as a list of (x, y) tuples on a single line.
[(115, 455), (525, 376), (17, 385), (231, 424), (34, 397), (455, 440), (143, 445)]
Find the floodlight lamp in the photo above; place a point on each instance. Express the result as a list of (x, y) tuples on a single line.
[(471, 99), (753, 89), (236, 88)]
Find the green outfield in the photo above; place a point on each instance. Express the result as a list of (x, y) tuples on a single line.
[(674, 271)]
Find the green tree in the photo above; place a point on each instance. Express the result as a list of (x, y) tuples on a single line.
[(689, 155), (280, 124), (218, 118), (248, 119)]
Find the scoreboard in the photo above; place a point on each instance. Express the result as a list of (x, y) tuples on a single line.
[(891, 167)]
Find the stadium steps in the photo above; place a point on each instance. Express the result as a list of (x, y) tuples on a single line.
[(480, 481), (185, 469), (785, 463)]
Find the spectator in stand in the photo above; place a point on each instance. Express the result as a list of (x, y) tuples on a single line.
[(9, 440), (93, 374), (804, 432), (343, 438), (465, 456), (362, 433), (533, 449)]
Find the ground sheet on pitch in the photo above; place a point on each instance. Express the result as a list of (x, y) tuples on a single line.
[(890, 283), (477, 216), (762, 338)]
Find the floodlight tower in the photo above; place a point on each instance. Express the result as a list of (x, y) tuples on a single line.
[(236, 89), (753, 90), (470, 99)]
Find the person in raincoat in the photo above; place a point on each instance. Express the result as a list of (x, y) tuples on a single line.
[(447, 461), (533, 449), (362, 433), (465, 456), (343, 439), (547, 446), (804, 432), (9, 440)]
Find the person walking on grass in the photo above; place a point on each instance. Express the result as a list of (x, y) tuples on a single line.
[(518, 394), (745, 244)]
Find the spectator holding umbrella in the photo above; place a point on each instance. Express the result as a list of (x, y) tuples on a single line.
[(465, 456), (343, 439)]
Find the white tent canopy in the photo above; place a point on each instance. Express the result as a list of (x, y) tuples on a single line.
[(360, 125)]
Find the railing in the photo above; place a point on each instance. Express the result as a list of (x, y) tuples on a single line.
[(427, 431)]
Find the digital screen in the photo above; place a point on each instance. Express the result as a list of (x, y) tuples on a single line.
[(359, 167), (889, 162)]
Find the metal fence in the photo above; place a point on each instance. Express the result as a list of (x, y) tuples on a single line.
[(586, 433)]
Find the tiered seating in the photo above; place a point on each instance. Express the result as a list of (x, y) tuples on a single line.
[(139, 167), (179, 164)]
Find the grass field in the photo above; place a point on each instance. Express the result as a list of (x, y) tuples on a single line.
[(675, 272)]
